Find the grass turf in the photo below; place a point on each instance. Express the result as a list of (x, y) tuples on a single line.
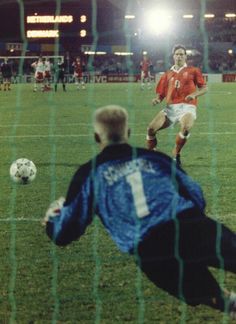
[(90, 281)]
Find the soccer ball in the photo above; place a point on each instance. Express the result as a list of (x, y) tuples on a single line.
[(23, 171)]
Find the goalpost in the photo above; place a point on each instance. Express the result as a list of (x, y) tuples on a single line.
[(22, 72), (31, 57)]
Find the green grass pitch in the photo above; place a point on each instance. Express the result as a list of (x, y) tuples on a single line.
[(90, 281)]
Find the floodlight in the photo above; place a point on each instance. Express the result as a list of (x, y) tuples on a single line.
[(230, 15), (158, 21), (209, 15), (123, 53), (94, 53), (129, 16), (188, 16)]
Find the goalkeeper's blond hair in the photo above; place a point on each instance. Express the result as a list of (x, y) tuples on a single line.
[(111, 124)]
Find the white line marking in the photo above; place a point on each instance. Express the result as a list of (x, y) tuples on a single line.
[(91, 126), (44, 125), (215, 133), (89, 135), (25, 219), (44, 136), (216, 123), (220, 92), (20, 219)]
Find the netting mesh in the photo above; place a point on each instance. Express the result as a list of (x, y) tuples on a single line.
[(141, 298)]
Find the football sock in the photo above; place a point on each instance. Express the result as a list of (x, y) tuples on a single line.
[(151, 142), (180, 140)]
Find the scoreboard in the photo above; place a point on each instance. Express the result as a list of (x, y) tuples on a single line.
[(66, 24), (69, 25), (52, 22)]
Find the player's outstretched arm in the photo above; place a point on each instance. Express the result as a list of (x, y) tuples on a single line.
[(64, 222), (62, 227)]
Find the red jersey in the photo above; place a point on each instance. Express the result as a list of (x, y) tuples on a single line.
[(176, 85), (145, 65), (78, 68)]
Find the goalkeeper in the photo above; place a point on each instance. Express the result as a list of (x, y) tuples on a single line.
[(153, 210)]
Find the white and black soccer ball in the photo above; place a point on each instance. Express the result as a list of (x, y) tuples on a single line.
[(23, 171)]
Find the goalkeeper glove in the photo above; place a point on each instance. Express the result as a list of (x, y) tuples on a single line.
[(54, 209)]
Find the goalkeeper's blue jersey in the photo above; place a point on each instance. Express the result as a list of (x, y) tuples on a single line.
[(132, 190)]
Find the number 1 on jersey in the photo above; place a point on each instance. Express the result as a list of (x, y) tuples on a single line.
[(136, 183)]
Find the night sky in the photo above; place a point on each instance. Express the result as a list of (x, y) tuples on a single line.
[(107, 13)]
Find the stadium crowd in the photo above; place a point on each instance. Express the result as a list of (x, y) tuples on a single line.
[(113, 64)]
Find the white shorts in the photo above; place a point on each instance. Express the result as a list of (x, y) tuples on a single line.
[(175, 112), (145, 75)]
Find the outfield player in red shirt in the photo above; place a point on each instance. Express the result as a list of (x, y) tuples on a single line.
[(145, 76), (39, 68), (78, 66), (47, 74), (180, 86)]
